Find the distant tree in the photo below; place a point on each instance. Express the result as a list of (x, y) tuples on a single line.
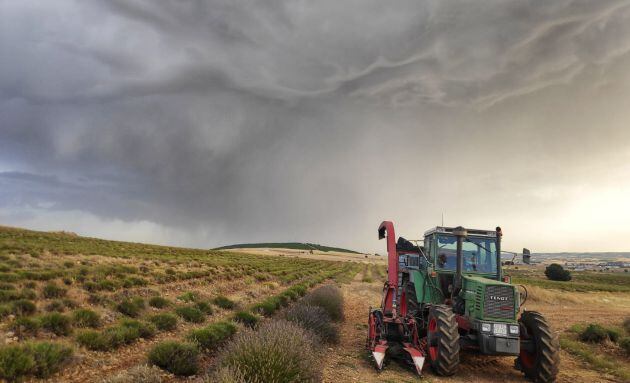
[(556, 272)]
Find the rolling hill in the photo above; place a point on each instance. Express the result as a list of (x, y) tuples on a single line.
[(286, 245)]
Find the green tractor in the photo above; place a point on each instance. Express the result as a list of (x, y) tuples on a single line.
[(449, 295)]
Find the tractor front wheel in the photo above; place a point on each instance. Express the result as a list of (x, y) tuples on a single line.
[(540, 359), (443, 340)]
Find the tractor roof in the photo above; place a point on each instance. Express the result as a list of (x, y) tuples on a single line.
[(449, 230)]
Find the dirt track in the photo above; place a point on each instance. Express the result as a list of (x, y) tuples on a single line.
[(348, 362)]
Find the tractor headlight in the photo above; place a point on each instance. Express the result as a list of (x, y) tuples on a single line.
[(513, 330), (486, 327), (500, 329)]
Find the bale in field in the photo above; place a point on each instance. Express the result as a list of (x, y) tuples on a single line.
[(314, 319), (329, 298), (278, 351)]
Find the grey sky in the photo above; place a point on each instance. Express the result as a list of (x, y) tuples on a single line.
[(205, 123)]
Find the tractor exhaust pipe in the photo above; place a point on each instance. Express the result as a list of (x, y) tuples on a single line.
[(460, 233), (499, 234)]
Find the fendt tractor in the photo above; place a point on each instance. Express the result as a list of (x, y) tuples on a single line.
[(449, 294)]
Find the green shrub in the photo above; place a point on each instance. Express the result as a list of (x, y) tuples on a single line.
[(145, 330), (134, 281), (188, 296), (191, 314), (30, 285), (204, 307), (139, 302), (56, 305), (329, 298), (314, 319), (15, 362), (28, 294), (93, 340), (212, 336), (164, 322), (49, 357), (23, 307), (24, 326), (106, 285), (159, 302), (117, 336), (51, 290), (69, 303), (5, 310), (283, 300), (130, 308), (291, 294), (613, 333), (90, 286), (96, 299), (247, 318), (224, 302), (127, 332), (278, 351), (593, 333), (268, 306), (624, 343), (6, 286), (86, 318), (9, 295), (556, 272), (174, 357), (56, 323)]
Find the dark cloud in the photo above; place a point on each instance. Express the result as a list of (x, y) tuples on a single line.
[(211, 122)]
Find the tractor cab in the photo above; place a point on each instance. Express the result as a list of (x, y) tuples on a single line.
[(480, 251)]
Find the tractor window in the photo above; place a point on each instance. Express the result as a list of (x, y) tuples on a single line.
[(446, 252), (479, 254)]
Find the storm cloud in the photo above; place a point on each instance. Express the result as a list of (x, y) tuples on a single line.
[(204, 123)]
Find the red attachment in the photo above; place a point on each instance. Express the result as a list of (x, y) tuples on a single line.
[(386, 230), (462, 322), (393, 315)]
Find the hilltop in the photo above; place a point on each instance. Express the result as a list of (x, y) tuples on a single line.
[(287, 245)]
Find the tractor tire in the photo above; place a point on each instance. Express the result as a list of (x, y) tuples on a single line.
[(542, 364), (412, 300), (443, 340)]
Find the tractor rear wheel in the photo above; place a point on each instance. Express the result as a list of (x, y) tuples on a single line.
[(412, 299), (541, 363), (443, 340)]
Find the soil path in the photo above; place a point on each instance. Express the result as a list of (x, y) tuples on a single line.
[(349, 362)]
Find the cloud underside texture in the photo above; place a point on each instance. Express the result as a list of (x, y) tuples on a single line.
[(211, 122)]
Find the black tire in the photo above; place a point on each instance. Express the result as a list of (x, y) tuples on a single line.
[(412, 299), (443, 340), (542, 364)]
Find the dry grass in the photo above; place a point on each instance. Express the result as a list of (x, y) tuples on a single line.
[(137, 374)]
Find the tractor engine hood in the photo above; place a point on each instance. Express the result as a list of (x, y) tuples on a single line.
[(489, 299)]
